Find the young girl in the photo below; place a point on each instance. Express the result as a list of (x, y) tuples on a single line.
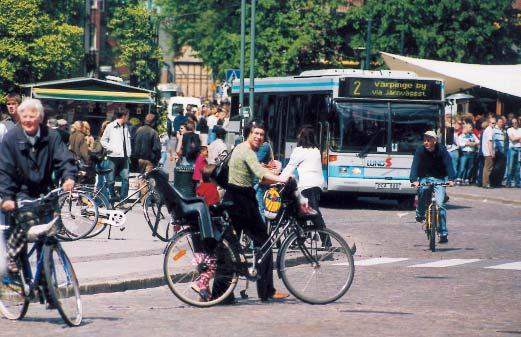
[(208, 191), (199, 166)]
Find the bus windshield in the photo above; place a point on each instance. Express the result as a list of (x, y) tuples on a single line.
[(363, 127)]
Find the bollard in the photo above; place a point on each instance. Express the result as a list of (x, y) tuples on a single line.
[(183, 180)]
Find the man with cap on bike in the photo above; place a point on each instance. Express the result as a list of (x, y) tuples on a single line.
[(432, 164)]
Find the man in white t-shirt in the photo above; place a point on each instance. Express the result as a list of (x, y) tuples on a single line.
[(514, 158), (488, 151)]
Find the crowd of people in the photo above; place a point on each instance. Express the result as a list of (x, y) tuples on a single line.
[(486, 150)]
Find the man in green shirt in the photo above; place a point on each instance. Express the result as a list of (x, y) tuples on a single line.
[(243, 167)]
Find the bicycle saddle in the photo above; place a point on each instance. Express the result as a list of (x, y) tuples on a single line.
[(103, 171), (218, 208)]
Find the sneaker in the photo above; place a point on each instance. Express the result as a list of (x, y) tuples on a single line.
[(466, 182), (420, 219), (443, 239)]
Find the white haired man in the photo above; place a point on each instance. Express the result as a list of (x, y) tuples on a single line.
[(30, 153)]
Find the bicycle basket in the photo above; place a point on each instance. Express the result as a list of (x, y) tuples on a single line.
[(272, 203)]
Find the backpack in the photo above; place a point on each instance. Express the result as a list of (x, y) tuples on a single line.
[(220, 172), (98, 152), (192, 146)]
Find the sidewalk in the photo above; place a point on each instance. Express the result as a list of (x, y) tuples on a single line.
[(133, 259), (502, 195)]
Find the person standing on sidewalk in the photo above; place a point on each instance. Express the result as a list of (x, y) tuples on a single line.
[(147, 148), (116, 140), (513, 167), (13, 100), (432, 164), (488, 151), (500, 160)]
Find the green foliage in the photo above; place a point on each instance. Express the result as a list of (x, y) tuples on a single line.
[(291, 35), (471, 31), (296, 35), (133, 27), (34, 46)]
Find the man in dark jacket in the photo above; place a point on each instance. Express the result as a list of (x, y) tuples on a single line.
[(432, 164), (147, 146), (30, 153)]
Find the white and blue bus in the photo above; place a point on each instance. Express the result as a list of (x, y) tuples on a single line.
[(368, 123)]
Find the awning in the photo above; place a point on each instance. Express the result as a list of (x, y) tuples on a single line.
[(90, 89), (461, 76)]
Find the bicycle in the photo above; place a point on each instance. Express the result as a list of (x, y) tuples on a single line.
[(431, 224), (60, 287), (330, 262), (110, 215)]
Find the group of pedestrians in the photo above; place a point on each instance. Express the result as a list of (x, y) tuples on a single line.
[(486, 152)]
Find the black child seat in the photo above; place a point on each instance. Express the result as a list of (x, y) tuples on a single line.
[(181, 206)]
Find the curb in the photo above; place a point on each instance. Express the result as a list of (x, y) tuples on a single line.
[(483, 198), (114, 287)]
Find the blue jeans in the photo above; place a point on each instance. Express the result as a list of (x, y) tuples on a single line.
[(260, 189), (455, 159), (120, 167), (513, 167), (439, 192), (466, 164), (101, 179)]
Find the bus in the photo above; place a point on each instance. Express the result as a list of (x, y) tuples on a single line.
[(368, 124)]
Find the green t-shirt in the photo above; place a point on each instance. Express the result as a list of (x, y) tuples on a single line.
[(243, 166)]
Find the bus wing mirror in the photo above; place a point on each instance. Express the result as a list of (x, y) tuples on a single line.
[(449, 136)]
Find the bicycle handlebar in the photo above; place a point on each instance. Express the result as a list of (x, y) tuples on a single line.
[(34, 202), (432, 185)]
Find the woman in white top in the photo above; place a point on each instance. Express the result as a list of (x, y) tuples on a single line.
[(307, 160)]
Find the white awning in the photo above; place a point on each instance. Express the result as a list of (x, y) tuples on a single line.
[(461, 76)]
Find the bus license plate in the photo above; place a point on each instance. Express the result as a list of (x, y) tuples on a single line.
[(388, 186)]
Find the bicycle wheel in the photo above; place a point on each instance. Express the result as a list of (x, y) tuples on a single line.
[(316, 265), (157, 217), (13, 303), (183, 269), (62, 284), (433, 224), (79, 215), (102, 204)]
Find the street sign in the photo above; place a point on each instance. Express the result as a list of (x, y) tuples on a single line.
[(245, 111), (232, 74)]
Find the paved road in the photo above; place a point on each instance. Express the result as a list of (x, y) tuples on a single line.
[(400, 287)]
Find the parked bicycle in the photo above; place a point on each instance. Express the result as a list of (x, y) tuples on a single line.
[(53, 280), (316, 265), (114, 214), (431, 224)]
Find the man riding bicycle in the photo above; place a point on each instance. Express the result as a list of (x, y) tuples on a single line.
[(30, 153), (432, 164)]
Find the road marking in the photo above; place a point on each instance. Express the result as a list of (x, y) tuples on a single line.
[(444, 263), (379, 260), (511, 266)]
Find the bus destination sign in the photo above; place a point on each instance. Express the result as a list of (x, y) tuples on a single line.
[(410, 89)]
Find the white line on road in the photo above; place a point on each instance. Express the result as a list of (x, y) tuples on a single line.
[(511, 266), (444, 263), (379, 260)]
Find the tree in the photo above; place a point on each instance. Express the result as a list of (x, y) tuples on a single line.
[(33, 46), (134, 30), (471, 31), (291, 35)]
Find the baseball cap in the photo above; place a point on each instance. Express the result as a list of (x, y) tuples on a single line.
[(431, 134)]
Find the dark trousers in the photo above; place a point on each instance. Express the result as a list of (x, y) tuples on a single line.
[(313, 195), (498, 171), (245, 217)]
